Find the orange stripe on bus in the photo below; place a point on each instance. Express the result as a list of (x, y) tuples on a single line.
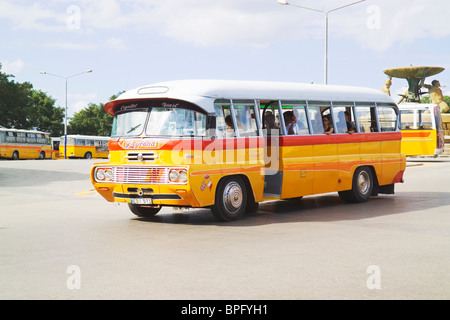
[(416, 134)]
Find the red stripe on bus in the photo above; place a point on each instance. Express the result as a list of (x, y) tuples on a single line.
[(252, 142)]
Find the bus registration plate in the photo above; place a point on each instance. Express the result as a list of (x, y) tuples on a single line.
[(142, 201)]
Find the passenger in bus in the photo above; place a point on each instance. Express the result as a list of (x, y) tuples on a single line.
[(269, 122), (229, 132), (291, 122), (327, 128), (351, 128)]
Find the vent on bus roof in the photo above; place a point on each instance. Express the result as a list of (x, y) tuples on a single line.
[(153, 90)]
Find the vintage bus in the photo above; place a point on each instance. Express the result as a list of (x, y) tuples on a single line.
[(24, 144), (228, 145), (81, 146), (422, 129)]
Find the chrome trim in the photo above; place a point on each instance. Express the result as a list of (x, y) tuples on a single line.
[(142, 156)]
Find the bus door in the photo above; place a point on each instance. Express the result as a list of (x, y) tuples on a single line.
[(271, 124), (296, 151)]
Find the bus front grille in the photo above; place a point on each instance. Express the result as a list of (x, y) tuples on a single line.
[(141, 175)]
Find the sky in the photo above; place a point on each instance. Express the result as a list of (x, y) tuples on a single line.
[(131, 43)]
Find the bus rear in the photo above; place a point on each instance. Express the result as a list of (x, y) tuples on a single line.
[(422, 129)]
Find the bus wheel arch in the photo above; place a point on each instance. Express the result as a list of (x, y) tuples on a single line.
[(15, 155), (230, 199), (42, 155), (88, 155), (363, 186)]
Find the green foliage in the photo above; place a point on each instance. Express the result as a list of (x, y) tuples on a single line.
[(428, 100), (93, 121), (23, 107)]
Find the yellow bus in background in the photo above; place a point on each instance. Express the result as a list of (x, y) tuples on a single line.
[(229, 145), (81, 146), (422, 129), (24, 144)]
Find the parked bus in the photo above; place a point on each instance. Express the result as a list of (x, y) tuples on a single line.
[(208, 144), (422, 129), (87, 147), (24, 144)]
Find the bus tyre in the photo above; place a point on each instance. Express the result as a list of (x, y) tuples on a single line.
[(144, 211), (88, 155), (15, 155), (231, 199), (362, 187), (42, 155)]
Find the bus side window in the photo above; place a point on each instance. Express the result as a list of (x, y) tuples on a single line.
[(425, 120), (271, 122), (224, 121), (246, 120), (302, 120), (406, 119), (387, 118), (315, 115), (365, 113)]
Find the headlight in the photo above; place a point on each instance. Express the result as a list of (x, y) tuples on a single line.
[(174, 175), (183, 176), (104, 174), (100, 174), (178, 175)]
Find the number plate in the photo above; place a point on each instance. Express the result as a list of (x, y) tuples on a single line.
[(142, 201)]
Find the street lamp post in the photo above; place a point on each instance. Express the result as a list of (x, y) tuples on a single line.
[(283, 2), (65, 120)]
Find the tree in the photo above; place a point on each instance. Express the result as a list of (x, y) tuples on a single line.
[(92, 121), (44, 115), (23, 107)]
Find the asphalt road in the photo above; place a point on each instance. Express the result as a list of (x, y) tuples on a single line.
[(60, 240)]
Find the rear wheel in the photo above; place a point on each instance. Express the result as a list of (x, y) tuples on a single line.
[(42, 155), (144, 211), (231, 199), (88, 155), (15, 155), (362, 187)]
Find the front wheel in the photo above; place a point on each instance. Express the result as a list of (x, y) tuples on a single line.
[(362, 187), (144, 211), (231, 199), (88, 155)]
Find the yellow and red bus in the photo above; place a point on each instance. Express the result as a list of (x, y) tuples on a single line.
[(82, 146), (24, 144), (422, 129), (228, 145)]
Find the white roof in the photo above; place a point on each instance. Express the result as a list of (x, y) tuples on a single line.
[(204, 92), (415, 106), (22, 130), (76, 136)]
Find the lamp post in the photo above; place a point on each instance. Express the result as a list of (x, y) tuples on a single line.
[(283, 2), (65, 120)]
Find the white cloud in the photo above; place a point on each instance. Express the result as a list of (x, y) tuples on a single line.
[(13, 67), (375, 24)]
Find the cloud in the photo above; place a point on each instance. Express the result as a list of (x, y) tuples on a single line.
[(13, 67), (377, 25)]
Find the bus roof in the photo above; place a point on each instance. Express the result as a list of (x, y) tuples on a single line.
[(22, 130), (204, 92), (77, 136), (416, 106)]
